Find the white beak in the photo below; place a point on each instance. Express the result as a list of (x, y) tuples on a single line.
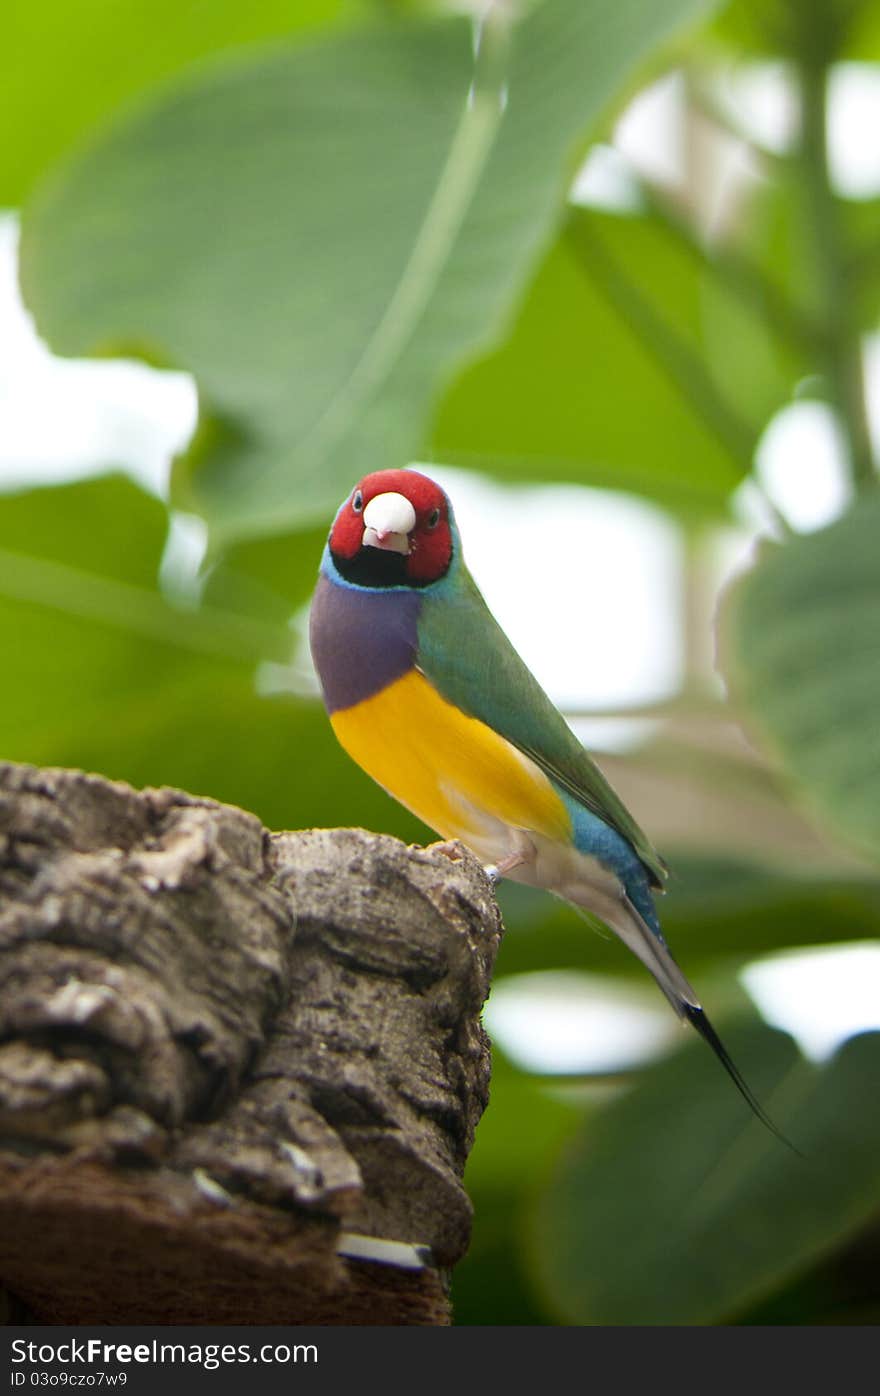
[(388, 521)]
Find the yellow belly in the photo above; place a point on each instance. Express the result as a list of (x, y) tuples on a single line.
[(451, 770)]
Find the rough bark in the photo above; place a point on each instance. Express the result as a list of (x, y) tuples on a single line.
[(223, 1051)]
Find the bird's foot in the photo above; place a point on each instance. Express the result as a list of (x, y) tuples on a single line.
[(495, 871), (450, 848)]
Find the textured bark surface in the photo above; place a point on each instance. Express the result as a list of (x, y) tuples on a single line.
[(221, 1050)]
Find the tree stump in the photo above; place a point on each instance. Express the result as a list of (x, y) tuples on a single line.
[(240, 1072)]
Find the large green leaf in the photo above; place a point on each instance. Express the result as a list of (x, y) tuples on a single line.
[(632, 363), (65, 68), (802, 656), (322, 233), (674, 1207)]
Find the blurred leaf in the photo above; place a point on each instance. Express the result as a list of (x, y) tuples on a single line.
[(722, 1213), (632, 364), (861, 219), (775, 236), (768, 28), (54, 679), (752, 27), (65, 68), (269, 577), (746, 351), (802, 656), (518, 1138), (778, 234), (505, 1152), (225, 248), (492, 1284), (862, 30), (841, 1288)]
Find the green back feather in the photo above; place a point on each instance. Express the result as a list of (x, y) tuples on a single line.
[(468, 658)]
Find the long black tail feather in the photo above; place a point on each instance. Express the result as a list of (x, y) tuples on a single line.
[(698, 1019)]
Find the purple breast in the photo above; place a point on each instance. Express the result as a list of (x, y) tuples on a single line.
[(361, 640)]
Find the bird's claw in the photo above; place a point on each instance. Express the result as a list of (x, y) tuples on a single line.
[(495, 871)]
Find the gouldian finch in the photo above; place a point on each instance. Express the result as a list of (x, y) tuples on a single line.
[(426, 693)]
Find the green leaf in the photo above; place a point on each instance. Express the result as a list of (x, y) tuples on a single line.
[(268, 577), (674, 1207), (802, 657), (518, 1139), (632, 364), (64, 68), (770, 29), (777, 236), (776, 239), (754, 30), (861, 220), (54, 679), (323, 233), (861, 30)]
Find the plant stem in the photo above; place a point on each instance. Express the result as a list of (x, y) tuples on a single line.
[(816, 44), (741, 276), (671, 352)]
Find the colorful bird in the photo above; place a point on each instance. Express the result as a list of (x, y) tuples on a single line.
[(426, 693)]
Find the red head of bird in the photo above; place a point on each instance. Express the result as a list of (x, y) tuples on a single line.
[(395, 528)]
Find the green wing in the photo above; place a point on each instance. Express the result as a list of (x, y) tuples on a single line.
[(470, 661)]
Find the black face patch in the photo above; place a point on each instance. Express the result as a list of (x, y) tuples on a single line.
[(374, 567)]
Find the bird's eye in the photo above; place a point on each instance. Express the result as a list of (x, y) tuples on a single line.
[(433, 518), (357, 502)]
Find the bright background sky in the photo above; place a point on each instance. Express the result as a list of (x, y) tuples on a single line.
[(63, 419)]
